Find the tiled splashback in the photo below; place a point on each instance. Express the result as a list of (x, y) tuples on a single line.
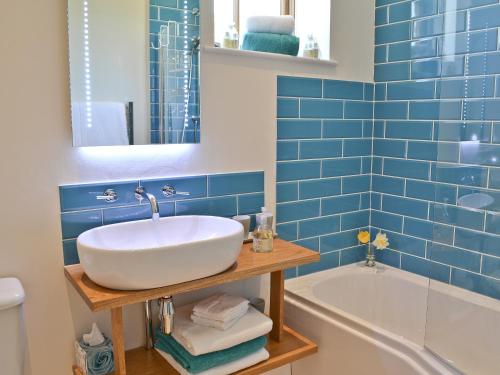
[(219, 195), (324, 165), (436, 167)]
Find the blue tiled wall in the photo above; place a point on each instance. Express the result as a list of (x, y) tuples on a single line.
[(323, 168), (219, 195), (160, 12), (436, 139)]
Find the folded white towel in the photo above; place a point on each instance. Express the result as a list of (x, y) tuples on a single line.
[(245, 362), (198, 340), (221, 307), (271, 24), (214, 323)]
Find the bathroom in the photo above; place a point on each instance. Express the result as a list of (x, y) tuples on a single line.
[(394, 129)]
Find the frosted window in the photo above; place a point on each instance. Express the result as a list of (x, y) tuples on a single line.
[(223, 17), (313, 17)]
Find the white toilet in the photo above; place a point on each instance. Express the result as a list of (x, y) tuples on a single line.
[(11, 327)]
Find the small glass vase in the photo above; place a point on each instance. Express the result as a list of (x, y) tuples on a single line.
[(370, 256)]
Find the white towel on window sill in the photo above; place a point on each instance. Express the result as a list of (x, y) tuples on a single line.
[(271, 24), (229, 368), (221, 307), (198, 340)]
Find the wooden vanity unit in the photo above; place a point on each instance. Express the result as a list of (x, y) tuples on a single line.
[(285, 345)]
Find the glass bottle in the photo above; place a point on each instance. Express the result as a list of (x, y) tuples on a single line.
[(231, 37), (311, 48), (263, 237)]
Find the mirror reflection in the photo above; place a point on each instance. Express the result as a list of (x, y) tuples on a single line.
[(134, 67)]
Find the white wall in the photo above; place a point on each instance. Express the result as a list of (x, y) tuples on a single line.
[(238, 98)]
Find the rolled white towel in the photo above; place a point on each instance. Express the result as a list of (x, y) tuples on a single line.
[(271, 24), (221, 307)]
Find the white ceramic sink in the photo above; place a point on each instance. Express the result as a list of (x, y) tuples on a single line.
[(145, 254)]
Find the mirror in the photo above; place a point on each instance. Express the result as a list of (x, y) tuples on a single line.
[(134, 71)]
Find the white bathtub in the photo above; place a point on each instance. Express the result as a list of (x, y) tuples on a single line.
[(373, 321)]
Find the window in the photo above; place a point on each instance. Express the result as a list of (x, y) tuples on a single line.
[(311, 17)]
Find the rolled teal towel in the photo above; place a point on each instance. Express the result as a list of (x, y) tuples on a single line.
[(100, 359), (273, 43), (196, 364)]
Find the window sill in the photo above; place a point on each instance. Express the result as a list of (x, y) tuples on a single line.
[(270, 56)]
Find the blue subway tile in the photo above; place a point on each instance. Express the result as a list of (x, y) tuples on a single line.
[(288, 231), (437, 68), (376, 201), (365, 201), (342, 129), (299, 87), (355, 184), (235, 183), (381, 16), (435, 110), (75, 223), (80, 197), (343, 90), (327, 261), (369, 91), (341, 167), (320, 188), (496, 127), (389, 257), (493, 223), (321, 108), (451, 6), (358, 110), (380, 54), (400, 11), (409, 130), (461, 217), (391, 110), (320, 149), (466, 88), (460, 175), (405, 206), (428, 230), (423, 8), (411, 90), (476, 283), (433, 151), (491, 267), (288, 108), (287, 150), (485, 17), (389, 147), (481, 154), (377, 165), (196, 186), (368, 128), (380, 91), (392, 72), (298, 170), (494, 179), (291, 273), (352, 255), (406, 244), (466, 43), (425, 268), (386, 221), (455, 257), (482, 109), (123, 214), (339, 241), (340, 204), (297, 210), (167, 209), (250, 203), (431, 191), (319, 226), (392, 33), (222, 206), (70, 253), (286, 192), (416, 49), (488, 63), (439, 25), (354, 220), (462, 132), (357, 147), (299, 129), (309, 243), (406, 168), (388, 185)]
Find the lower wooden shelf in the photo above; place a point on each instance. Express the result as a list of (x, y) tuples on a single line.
[(292, 347)]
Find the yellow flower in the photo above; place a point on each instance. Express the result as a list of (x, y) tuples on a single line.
[(381, 242), (364, 237)]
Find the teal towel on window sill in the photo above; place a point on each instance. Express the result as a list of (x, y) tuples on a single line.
[(272, 43), (200, 363)]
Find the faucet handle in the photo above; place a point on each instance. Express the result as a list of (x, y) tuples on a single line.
[(138, 192), (169, 191), (109, 196)]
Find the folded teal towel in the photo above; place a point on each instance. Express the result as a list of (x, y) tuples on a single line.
[(100, 359), (273, 43), (196, 364)]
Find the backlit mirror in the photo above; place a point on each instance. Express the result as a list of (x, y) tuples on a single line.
[(134, 67)]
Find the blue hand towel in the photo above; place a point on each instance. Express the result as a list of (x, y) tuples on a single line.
[(196, 364), (273, 43), (100, 360)]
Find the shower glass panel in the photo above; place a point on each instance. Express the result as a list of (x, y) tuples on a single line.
[(464, 253)]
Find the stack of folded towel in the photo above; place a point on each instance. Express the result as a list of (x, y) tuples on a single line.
[(238, 342), (272, 34)]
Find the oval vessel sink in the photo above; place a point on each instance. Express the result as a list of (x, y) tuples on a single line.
[(149, 254)]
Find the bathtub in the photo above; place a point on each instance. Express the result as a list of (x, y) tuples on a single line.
[(373, 321)]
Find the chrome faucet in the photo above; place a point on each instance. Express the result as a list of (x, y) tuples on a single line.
[(141, 193), (167, 313)]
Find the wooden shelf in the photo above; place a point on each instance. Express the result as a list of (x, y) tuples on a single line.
[(249, 264), (292, 347)]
